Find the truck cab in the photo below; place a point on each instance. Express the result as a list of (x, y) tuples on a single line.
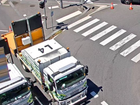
[(67, 84)]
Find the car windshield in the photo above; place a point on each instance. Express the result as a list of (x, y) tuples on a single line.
[(70, 79), (14, 94)]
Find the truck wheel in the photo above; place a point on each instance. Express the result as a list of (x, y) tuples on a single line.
[(24, 67)]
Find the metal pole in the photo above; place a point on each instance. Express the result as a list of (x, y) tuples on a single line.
[(45, 14), (52, 17), (29, 30), (61, 4)]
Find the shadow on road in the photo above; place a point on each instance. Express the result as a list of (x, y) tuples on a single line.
[(93, 90), (39, 98)]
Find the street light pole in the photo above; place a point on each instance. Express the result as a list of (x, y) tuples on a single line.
[(45, 13), (61, 4)]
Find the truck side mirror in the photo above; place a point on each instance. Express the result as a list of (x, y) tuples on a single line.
[(86, 70), (51, 87)]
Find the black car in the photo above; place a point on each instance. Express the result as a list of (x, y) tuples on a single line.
[(130, 1)]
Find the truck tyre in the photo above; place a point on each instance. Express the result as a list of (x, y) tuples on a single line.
[(24, 67)]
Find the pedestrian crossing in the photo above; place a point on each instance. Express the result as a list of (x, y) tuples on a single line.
[(87, 26)]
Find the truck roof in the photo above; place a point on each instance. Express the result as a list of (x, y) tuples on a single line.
[(8, 85), (42, 48), (14, 71), (61, 66)]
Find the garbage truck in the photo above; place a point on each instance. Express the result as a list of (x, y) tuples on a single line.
[(59, 73), (14, 87)]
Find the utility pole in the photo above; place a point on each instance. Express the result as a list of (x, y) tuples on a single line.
[(42, 6), (61, 2), (45, 13)]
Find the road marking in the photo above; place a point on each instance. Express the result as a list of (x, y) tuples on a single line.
[(109, 39), (136, 58), (4, 31), (53, 7), (101, 34), (79, 21), (104, 103), (94, 29), (122, 42), (95, 95), (130, 49), (68, 16), (86, 25)]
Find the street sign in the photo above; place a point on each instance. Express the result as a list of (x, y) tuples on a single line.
[(51, 13)]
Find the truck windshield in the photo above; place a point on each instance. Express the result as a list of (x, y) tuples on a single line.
[(70, 79), (14, 94)]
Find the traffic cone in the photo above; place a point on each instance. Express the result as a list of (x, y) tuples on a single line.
[(10, 29), (130, 8), (111, 7)]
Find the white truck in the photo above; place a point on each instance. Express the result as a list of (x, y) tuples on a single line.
[(59, 73), (14, 88)]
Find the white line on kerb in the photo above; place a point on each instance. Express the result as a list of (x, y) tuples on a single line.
[(104, 103), (4, 30), (53, 7)]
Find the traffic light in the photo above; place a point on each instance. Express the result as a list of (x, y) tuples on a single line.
[(41, 4)]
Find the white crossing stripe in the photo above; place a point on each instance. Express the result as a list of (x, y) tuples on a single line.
[(136, 58), (109, 39), (122, 42), (86, 25), (95, 95), (94, 29), (68, 16), (53, 7), (104, 103), (130, 49), (79, 21), (101, 34)]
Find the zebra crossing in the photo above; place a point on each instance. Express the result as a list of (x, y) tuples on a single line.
[(96, 25)]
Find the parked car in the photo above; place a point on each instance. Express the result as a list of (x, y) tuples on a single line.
[(130, 1)]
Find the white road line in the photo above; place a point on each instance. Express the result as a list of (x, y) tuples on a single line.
[(95, 95), (53, 7), (79, 21), (68, 16), (104, 103), (3, 30), (122, 42), (109, 39), (130, 49), (86, 25), (94, 29), (101, 34), (136, 58)]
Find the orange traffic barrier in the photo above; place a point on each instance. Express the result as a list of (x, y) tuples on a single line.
[(111, 7), (10, 29), (130, 8)]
